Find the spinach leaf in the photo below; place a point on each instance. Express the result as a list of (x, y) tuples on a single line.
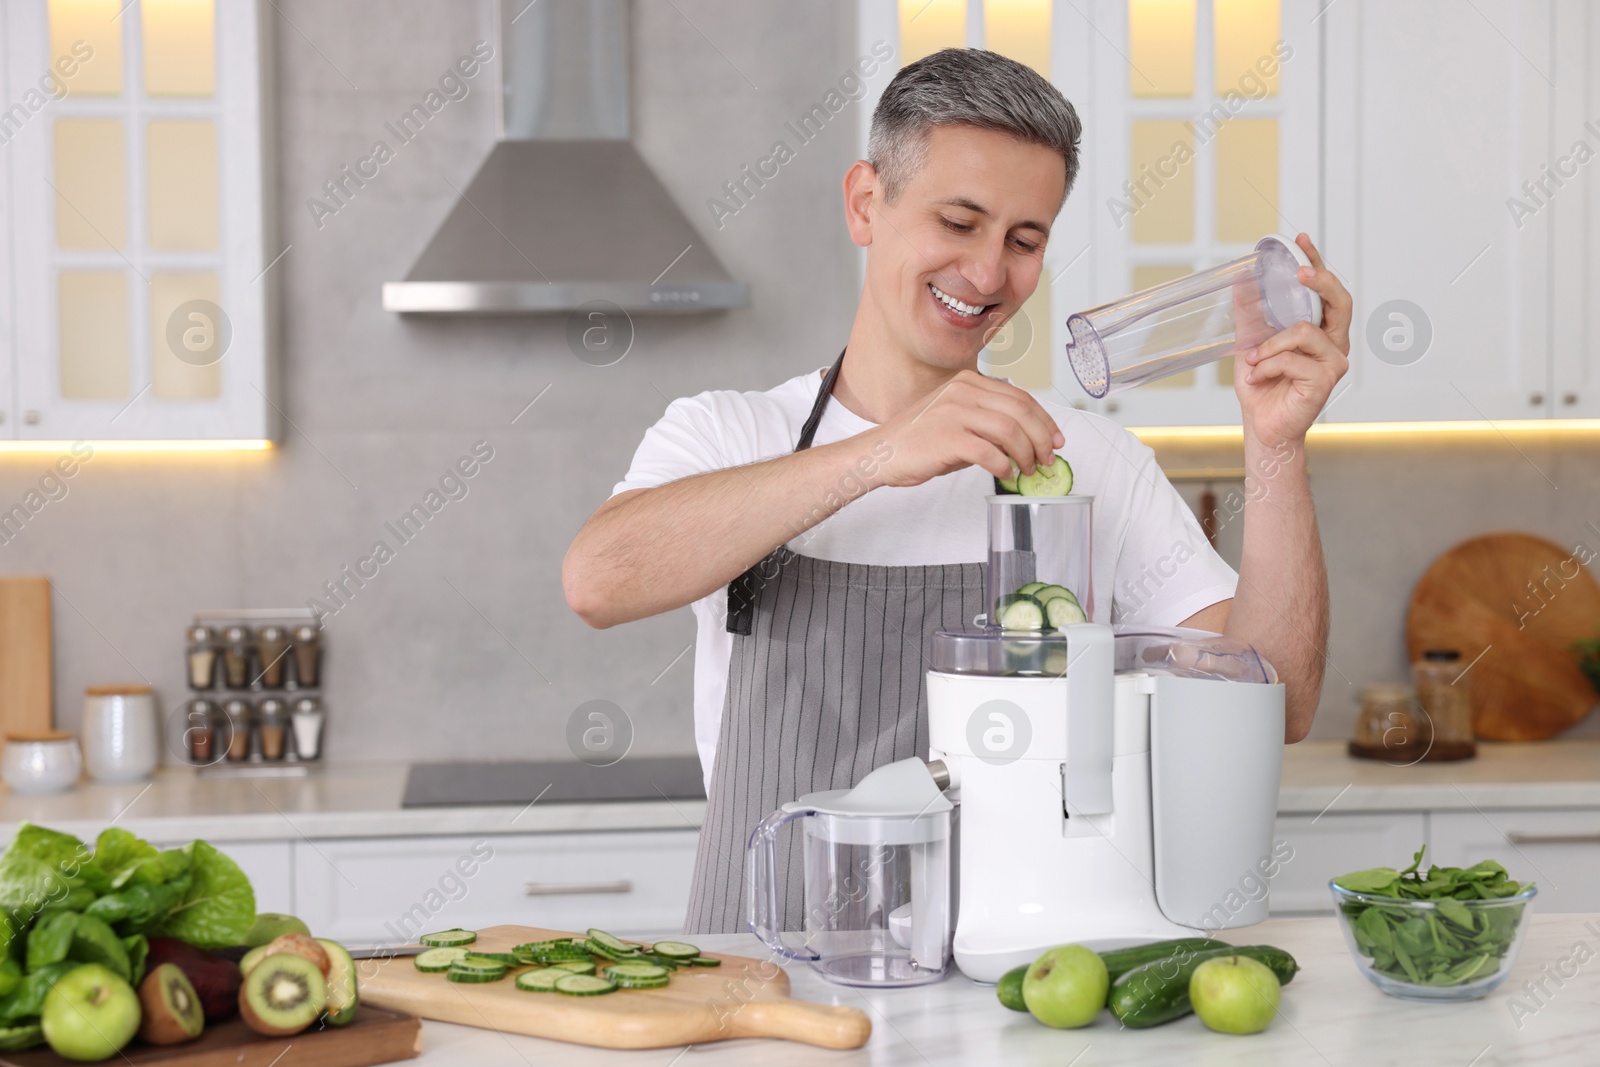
[(26, 1001), (51, 939), (1446, 944), (138, 949), (41, 868)]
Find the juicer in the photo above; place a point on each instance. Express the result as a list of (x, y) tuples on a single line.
[(1106, 786)]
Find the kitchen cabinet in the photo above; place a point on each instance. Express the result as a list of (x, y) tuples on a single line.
[(1329, 845), (1427, 220), (1558, 850), (392, 889), (133, 222), (1575, 212)]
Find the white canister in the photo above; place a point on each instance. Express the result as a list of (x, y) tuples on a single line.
[(41, 763), (120, 735)]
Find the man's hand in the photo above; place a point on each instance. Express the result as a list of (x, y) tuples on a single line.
[(969, 421), (1286, 380)]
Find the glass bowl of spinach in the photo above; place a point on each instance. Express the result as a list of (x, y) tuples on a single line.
[(1450, 934)]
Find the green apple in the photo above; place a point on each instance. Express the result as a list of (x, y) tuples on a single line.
[(271, 925), (90, 1013), (1066, 987), (1234, 994)]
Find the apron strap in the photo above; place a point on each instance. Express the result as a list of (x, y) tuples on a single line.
[(742, 590)]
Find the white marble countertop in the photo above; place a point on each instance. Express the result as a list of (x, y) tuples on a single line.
[(363, 800), (1330, 1016), (337, 800)]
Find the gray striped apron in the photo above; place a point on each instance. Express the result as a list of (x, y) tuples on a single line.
[(826, 683)]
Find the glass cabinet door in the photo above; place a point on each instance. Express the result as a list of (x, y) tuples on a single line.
[(137, 220)]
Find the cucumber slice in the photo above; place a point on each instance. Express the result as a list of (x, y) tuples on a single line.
[(634, 969), (1053, 479), (600, 948), (627, 981), (458, 973), (584, 985), (675, 950), (448, 938), (1063, 612), (1033, 588), (1046, 593), (438, 960), (615, 944), (574, 966), (478, 963), (705, 961), (664, 961), (1020, 612), (507, 958), (1008, 484), (541, 981)]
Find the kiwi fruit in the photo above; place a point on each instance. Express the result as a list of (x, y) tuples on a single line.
[(342, 994), (172, 1012), (293, 944), (283, 994)]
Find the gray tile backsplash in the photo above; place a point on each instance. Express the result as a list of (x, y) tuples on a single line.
[(462, 647)]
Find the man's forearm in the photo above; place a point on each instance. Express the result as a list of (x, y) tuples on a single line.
[(1281, 606), (661, 548)]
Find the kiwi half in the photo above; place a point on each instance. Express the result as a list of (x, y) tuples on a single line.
[(172, 1009), (342, 995), (283, 994)]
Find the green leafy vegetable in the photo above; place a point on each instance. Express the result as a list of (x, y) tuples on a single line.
[(219, 907), (1447, 940), (27, 1000), (95, 942), (41, 868), (10, 975), (138, 948), (51, 939)]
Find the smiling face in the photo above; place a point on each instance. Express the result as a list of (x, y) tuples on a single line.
[(961, 248)]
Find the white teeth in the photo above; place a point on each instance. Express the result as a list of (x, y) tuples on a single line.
[(954, 304)]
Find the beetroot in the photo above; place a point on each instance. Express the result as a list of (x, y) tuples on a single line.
[(215, 979)]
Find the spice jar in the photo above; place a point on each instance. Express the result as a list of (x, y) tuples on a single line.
[(238, 715), (1390, 726), (202, 657), (308, 719), (1443, 695), (272, 721), (236, 656), (201, 729), (272, 646), (307, 655)]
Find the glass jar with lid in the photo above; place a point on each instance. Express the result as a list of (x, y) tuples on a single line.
[(1444, 696), (1390, 725)]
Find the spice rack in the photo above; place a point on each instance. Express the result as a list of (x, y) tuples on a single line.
[(255, 704)]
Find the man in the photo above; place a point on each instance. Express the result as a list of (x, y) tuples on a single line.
[(845, 506)]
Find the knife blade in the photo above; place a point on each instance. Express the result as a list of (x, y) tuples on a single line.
[(383, 952)]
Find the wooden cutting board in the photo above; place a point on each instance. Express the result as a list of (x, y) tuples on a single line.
[(25, 666), (1521, 602), (376, 1036), (741, 998)]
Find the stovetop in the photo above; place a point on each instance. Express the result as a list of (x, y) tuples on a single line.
[(557, 782)]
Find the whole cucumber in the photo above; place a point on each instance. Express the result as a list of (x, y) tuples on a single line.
[(1119, 961), (1158, 992), (1009, 989)]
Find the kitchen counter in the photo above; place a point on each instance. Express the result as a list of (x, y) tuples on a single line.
[(339, 800), (363, 799), (1330, 1015)]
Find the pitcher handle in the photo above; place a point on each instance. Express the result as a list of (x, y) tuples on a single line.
[(761, 885)]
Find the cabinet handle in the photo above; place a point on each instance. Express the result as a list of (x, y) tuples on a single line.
[(1569, 398), (557, 889), (31, 418), (1535, 400), (1113, 406), (1516, 838)]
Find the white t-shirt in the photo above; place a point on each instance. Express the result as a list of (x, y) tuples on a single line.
[(1152, 564)]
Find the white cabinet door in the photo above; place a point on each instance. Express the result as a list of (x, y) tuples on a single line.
[(1557, 850), (1437, 112), (1324, 847), (1575, 210), (389, 890), (268, 865)]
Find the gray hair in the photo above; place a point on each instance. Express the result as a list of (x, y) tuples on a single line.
[(967, 87)]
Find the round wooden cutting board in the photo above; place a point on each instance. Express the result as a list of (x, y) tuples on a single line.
[(1521, 602)]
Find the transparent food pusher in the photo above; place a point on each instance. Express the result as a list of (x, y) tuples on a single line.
[(1191, 321)]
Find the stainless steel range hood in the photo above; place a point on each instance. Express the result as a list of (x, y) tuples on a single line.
[(564, 211)]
